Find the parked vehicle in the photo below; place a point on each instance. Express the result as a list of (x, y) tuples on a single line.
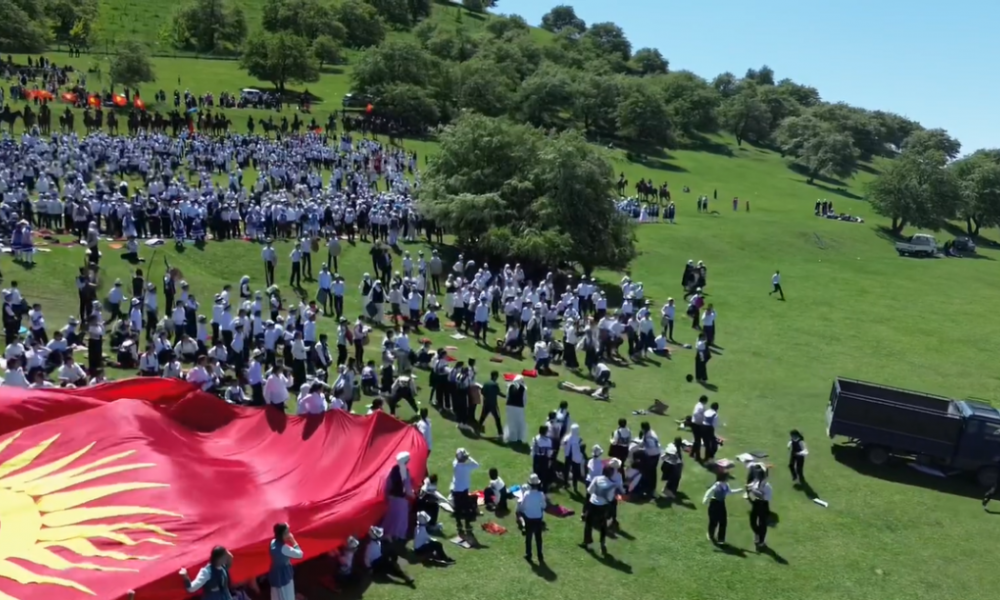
[(356, 100), (965, 245), (920, 244), (951, 435)]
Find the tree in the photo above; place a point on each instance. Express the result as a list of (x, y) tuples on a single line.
[(642, 113), (213, 26), (500, 26), (744, 115), (933, 140), (806, 96), (397, 13), (448, 42), (326, 50), (546, 204), (817, 147), (545, 96), (562, 18), (762, 76), (308, 19), (69, 15), (649, 61), (474, 5), (394, 63), (419, 9), (485, 87), (691, 102), (916, 189), (978, 177), (279, 58), (726, 84), (131, 65), (412, 106), (23, 27), (609, 39), (595, 102), (365, 28)]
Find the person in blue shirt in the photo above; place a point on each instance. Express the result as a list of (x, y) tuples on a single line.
[(213, 579), (281, 576)]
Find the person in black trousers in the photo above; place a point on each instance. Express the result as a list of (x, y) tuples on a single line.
[(491, 394), (759, 495), (601, 494), (530, 513), (718, 516), (797, 455)]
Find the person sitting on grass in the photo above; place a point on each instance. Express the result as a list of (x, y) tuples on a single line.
[(345, 561), (428, 502), (602, 375), (541, 353), (424, 355), (380, 561), (71, 373), (425, 547), (186, 349), (512, 344), (39, 381), (496, 495)]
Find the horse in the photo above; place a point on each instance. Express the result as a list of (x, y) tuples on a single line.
[(221, 124), (29, 117), (296, 125), (45, 119), (66, 121), (622, 185), (10, 117), (250, 124), (284, 126)]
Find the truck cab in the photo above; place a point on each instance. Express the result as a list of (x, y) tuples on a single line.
[(920, 244), (980, 440)]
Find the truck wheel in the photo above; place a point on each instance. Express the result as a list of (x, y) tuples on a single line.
[(987, 476), (877, 455)]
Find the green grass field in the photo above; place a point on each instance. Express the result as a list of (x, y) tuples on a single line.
[(854, 309)]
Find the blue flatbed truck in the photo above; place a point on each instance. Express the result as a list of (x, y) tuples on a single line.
[(951, 435)]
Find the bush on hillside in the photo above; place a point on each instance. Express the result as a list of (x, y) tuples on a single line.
[(209, 26)]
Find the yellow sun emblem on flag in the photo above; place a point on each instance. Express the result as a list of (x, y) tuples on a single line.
[(37, 514)]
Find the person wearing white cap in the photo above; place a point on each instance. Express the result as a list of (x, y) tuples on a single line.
[(380, 562), (595, 466), (759, 494), (426, 547), (672, 468), (530, 513), (517, 398), (601, 493), (345, 561), (466, 505), (115, 298)]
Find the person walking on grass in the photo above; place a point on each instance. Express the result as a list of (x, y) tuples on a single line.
[(776, 282), (718, 516)]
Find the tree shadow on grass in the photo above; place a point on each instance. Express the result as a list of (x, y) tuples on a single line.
[(897, 472), (657, 164), (701, 143), (867, 168), (837, 191), (803, 171)]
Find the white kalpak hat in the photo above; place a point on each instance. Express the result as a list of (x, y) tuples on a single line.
[(534, 480)]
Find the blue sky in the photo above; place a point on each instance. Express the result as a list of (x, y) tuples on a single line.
[(935, 62)]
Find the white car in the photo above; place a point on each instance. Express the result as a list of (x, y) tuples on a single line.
[(921, 244)]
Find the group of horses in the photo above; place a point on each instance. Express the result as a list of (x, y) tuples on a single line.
[(645, 190)]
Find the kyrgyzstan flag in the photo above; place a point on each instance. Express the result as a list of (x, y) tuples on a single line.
[(101, 496)]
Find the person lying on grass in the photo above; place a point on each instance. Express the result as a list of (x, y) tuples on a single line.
[(597, 392)]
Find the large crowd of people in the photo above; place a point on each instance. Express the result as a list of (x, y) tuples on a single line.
[(251, 343)]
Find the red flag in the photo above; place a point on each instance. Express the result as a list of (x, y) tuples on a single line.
[(120, 100), (138, 103), (369, 109), (94, 101), (69, 97), (122, 495)]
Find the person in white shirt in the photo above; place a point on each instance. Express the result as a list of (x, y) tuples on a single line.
[(200, 376), (573, 456), (172, 370), (708, 436), (708, 325), (382, 563), (776, 283), (718, 517), (71, 373), (667, 319), (313, 403), (461, 485), (215, 575), (40, 382), (424, 427), (759, 494), (276, 388), (698, 426), (530, 512), (601, 495), (14, 376), (517, 399), (426, 547)]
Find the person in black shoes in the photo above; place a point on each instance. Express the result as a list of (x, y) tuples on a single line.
[(530, 513)]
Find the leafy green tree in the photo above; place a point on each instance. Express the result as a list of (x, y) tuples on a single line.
[(691, 102), (804, 95), (131, 65), (856, 122), (744, 115), (326, 50), (978, 177), (485, 87), (932, 140), (562, 18), (397, 13), (779, 105), (65, 15), (895, 129), (365, 28), (212, 26), (451, 43), (279, 58), (500, 26), (817, 147), (545, 204), (609, 39), (726, 84), (649, 61), (308, 19), (916, 189), (23, 26), (394, 63), (474, 5), (642, 113), (595, 102), (519, 54), (761, 76), (545, 96), (419, 9), (409, 104)]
